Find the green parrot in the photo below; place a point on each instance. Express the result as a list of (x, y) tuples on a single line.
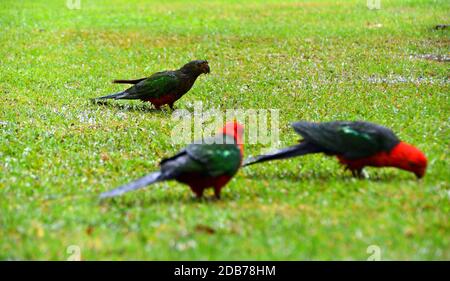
[(355, 144), (165, 87), (211, 163)]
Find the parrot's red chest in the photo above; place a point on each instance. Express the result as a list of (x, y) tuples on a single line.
[(198, 183), (163, 100), (377, 160)]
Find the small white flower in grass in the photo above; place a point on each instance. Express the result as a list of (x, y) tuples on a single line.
[(359, 234), (374, 25), (190, 244), (84, 117), (122, 115), (26, 151)]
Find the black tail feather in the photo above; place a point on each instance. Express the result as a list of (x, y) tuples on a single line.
[(113, 96), (122, 81), (137, 184), (288, 152)]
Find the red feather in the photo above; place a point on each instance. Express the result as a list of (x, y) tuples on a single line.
[(198, 183), (163, 100), (398, 157)]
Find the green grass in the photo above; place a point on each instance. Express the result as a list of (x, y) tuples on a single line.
[(312, 60)]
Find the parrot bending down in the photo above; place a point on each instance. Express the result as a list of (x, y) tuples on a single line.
[(355, 144), (163, 87), (211, 163)]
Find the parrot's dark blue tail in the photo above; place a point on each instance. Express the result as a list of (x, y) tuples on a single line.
[(137, 184), (118, 95), (134, 81), (288, 152)]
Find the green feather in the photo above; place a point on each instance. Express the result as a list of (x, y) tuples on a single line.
[(214, 157), (349, 139), (219, 155), (157, 85)]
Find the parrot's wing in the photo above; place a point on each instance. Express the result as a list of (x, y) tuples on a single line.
[(218, 155), (155, 86), (350, 139)]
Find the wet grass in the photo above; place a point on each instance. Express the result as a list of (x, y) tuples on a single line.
[(317, 60)]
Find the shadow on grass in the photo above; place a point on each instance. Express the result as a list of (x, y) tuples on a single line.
[(143, 198), (144, 107), (168, 199), (341, 175)]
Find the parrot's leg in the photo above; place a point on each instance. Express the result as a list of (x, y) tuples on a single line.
[(217, 190), (198, 192), (359, 173), (364, 174)]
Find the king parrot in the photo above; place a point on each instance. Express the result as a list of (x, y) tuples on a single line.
[(211, 163), (163, 87), (355, 144)]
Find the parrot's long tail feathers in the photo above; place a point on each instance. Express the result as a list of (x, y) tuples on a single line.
[(118, 95), (137, 184), (288, 152), (135, 81)]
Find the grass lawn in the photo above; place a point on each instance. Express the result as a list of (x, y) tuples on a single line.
[(313, 60)]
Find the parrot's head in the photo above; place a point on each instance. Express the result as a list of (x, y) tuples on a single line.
[(196, 67), (409, 158), (235, 130)]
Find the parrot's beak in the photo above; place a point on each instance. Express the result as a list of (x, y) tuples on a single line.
[(206, 69), (419, 175)]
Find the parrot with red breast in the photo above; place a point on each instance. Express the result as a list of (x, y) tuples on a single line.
[(211, 163), (356, 145), (161, 88)]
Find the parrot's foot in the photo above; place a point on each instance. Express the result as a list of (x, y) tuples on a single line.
[(441, 26), (360, 173), (198, 199), (364, 174), (198, 192)]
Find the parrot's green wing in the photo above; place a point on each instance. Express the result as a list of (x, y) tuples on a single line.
[(350, 139), (155, 86), (219, 155)]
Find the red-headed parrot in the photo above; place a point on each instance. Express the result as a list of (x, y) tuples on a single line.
[(211, 163), (163, 87), (355, 144)]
